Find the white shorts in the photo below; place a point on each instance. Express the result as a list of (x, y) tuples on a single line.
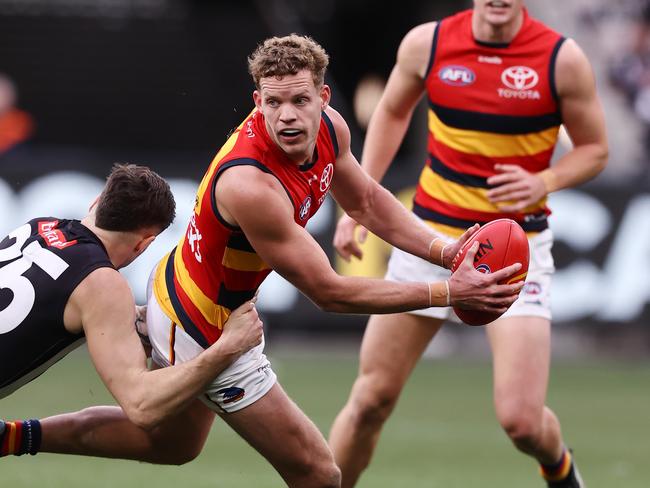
[(244, 382), (533, 301)]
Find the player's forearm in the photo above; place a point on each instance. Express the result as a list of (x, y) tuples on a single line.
[(391, 221), (576, 167), (374, 296), (385, 134), (161, 393)]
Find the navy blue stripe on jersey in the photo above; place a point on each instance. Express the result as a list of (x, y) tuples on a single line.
[(233, 299), (551, 68), (447, 173), (434, 46), (330, 128), (230, 164), (537, 223), (186, 323), (238, 241), (499, 124)]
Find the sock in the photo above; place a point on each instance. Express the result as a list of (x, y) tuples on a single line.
[(20, 437), (559, 470)]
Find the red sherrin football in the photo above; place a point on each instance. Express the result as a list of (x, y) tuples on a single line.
[(502, 242)]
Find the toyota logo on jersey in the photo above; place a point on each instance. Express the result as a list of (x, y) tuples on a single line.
[(519, 77), (326, 177)]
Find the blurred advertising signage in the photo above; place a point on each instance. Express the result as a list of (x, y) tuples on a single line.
[(602, 245)]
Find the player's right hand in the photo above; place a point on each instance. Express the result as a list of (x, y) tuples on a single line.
[(473, 290), (243, 330), (345, 241)]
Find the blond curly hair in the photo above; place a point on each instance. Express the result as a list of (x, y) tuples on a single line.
[(282, 56)]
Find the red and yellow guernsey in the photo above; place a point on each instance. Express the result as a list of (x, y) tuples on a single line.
[(214, 268), (488, 104)]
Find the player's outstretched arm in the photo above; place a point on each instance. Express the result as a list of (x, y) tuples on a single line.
[(256, 202), (147, 397), (374, 207)]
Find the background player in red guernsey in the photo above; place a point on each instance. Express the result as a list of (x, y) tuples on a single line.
[(268, 179), (499, 84)]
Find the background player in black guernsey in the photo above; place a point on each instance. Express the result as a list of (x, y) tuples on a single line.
[(59, 286)]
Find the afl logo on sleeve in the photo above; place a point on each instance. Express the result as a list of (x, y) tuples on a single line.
[(457, 75)]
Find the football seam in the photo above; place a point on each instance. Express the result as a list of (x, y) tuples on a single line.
[(506, 253)]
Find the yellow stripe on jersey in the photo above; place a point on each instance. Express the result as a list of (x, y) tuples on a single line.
[(161, 292), (450, 192), (468, 197), (214, 314), (447, 230), (225, 149), (243, 260), (492, 144)]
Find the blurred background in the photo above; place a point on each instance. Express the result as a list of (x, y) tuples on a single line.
[(86, 83)]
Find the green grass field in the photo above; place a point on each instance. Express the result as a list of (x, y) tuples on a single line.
[(443, 433)]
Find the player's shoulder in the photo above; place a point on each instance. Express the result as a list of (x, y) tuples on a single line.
[(572, 67), (103, 291), (103, 281), (570, 55), (419, 37), (247, 186)]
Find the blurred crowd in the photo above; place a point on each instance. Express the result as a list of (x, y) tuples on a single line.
[(16, 125), (630, 70)]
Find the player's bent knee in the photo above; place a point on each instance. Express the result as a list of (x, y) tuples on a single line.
[(311, 468), (373, 402), (523, 429), (323, 475)]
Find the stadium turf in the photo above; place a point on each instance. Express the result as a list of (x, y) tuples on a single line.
[(443, 433)]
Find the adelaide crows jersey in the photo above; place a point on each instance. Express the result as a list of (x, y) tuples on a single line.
[(488, 104), (214, 268), (41, 264)]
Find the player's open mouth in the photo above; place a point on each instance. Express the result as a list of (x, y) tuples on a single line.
[(498, 4), (290, 134)]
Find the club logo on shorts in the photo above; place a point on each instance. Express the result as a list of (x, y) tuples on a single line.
[(455, 75), (532, 288), (232, 394)]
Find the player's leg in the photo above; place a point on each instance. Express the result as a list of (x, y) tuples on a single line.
[(282, 433), (105, 431), (521, 347), (521, 350), (391, 347)]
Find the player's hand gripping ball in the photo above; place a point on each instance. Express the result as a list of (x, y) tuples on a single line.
[(502, 242)]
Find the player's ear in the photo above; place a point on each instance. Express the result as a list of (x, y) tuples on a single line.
[(257, 98), (93, 204), (325, 96), (144, 243)]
